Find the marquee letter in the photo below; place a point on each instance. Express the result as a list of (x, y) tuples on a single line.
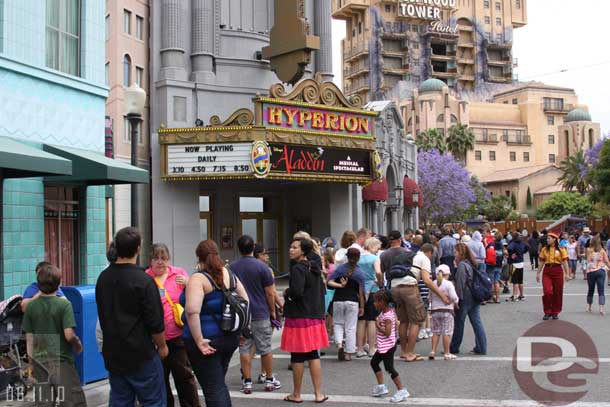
[(290, 113), (331, 122), (304, 116), (351, 124), (275, 114), (437, 14), (317, 121), (363, 125)]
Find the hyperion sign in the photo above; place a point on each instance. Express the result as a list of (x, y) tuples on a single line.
[(424, 9)]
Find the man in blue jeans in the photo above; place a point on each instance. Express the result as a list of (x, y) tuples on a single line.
[(131, 317)]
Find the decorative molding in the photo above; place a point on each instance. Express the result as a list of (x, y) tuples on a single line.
[(240, 117), (314, 91)]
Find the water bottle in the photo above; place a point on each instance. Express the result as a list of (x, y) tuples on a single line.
[(227, 320)]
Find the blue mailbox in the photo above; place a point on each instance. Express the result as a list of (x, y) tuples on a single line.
[(90, 364)]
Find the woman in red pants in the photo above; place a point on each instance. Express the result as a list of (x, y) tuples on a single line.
[(554, 266)]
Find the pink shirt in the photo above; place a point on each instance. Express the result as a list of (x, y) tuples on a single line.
[(385, 343), (174, 290)]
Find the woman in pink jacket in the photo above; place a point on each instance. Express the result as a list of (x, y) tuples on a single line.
[(171, 282)]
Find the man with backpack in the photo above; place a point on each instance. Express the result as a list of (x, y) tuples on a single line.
[(403, 275), (516, 249), (260, 286)]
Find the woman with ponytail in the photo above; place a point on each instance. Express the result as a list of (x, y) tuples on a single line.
[(208, 347), (348, 302)]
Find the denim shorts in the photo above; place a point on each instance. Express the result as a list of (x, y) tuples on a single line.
[(572, 264), (494, 273)]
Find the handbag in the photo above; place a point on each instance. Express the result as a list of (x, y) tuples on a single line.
[(177, 309)]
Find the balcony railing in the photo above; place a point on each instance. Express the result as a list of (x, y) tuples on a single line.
[(350, 52), (517, 139), (487, 138), (558, 108)]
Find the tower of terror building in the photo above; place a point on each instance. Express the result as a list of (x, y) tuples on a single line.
[(465, 43)]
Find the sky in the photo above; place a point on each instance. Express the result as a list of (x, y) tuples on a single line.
[(568, 35)]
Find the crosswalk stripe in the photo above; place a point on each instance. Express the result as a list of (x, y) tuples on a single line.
[(445, 402)]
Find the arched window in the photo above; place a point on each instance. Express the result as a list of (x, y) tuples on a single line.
[(454, 119), (440, 118), (126, 70)]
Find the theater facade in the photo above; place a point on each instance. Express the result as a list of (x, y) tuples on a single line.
[(291, 161)]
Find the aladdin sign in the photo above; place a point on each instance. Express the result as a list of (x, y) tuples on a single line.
[(424, 9), (317, 120)]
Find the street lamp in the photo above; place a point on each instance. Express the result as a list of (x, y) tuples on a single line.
[(398, 192), (135, 99), (415, 197)]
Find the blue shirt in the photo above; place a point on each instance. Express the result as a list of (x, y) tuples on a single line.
[(255, 276), (447, 246), (367, 265), (582, 241), (32, 289), (563, 243)]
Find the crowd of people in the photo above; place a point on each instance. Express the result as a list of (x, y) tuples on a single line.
[(370, 295)]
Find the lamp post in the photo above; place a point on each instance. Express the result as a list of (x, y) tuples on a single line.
[(135, 99)]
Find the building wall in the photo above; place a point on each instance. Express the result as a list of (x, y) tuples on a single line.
[(40, 105), (205, 61)]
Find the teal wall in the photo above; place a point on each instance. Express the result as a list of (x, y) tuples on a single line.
[(39, 105)]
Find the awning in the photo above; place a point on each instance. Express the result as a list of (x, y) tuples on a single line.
[(376, 191), (92, 168), (411, 186), (18, 160)]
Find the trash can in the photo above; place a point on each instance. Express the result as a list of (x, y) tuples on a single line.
[(89, 364)]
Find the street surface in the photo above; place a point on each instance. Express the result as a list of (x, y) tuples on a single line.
[(477, 381)]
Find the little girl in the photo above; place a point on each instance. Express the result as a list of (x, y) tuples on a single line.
[(442, 314), (386, 346)]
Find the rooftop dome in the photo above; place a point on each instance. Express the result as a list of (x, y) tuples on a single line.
[(432, 85), (578, 115)]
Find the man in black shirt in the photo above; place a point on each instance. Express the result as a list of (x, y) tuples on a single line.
[(131, 317)]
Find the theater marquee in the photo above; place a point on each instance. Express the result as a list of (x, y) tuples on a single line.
[(314, 133)]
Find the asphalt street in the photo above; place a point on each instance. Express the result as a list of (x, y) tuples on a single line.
[(485, 381)]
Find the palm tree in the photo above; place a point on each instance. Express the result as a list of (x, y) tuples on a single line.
[(460, 141), (431, 139), (572, 178)]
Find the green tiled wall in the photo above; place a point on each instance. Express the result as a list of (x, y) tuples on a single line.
[(93, 235), (23, 234)]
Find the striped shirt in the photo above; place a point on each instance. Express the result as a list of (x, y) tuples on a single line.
[(385, 343)]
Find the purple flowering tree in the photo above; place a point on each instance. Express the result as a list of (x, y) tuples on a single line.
[(446, 186)]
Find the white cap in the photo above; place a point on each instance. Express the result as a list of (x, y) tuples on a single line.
[(443, 268), (586, 230), (456, 236), (466, 239)]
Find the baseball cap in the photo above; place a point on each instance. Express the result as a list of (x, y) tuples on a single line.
[(394, 235), (466, 239), (443, 268), (456, 236), (586, 230)]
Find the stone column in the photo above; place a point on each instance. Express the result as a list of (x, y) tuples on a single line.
[(172, 50), (323, 29), (202, 55)]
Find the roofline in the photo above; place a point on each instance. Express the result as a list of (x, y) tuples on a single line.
[(537, 86), (550, 166)]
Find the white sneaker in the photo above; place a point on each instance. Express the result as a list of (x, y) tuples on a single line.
[(361, 354), (379, 390), (429, 330), (426, 334), (421, 334), (401, 395), (272, 384), (261, 378)]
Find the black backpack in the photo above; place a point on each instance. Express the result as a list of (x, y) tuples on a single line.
[(235, 309), (401, 267)]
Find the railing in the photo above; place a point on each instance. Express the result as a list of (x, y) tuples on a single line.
[(487, 138), (354, 50), (517, 139), (557, 107)]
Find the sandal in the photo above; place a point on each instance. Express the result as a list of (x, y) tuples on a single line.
[(450, 356), (432, 356), (322, 400), (417, 358), (291, 400)]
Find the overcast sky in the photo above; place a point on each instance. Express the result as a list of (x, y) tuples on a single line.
[(560, 35)]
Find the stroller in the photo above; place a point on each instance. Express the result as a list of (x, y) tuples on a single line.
[(13, 353)]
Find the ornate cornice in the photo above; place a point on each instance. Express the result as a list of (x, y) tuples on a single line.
[(315, 91), (240, 117)]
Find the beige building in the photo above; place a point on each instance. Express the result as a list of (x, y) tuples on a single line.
[(465, 43), (520, 136), (127, 33)]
